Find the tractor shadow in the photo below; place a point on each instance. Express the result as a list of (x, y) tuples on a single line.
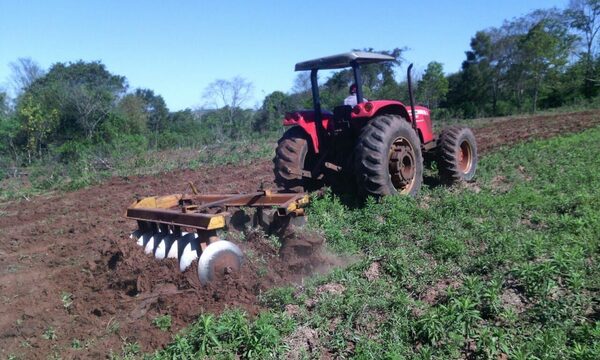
[(350, 197), (432, 181)]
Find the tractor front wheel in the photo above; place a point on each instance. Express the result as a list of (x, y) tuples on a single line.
[(457, 155), (293, 155), (388, 158)]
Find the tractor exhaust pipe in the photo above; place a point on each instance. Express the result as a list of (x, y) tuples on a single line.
[(411, 98)]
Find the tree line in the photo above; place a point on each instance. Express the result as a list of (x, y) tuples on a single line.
[(542, 60)]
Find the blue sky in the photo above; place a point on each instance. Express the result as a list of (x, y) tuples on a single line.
[(177, 48)]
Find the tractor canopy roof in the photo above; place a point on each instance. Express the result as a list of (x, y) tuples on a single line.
[(343, 60)]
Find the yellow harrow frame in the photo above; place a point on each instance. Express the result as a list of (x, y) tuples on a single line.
[(184, 226)]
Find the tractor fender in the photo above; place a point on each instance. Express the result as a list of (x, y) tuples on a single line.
[(306, 121), (371, 109), (395, 109)]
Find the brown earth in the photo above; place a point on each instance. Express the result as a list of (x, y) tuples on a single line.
[(78, 244)]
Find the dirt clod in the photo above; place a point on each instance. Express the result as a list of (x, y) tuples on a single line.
[(292, 310), (335, 289), (439, 290), (511, 299), (302, 342), (372, 273)]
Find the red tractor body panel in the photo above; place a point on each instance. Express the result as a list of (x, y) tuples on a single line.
[(306, 120), (361, 114), (424, 125)]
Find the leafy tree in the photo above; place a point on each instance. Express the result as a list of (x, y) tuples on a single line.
[(545, 49), (517, 64), (433, 86), (301, 91), (471, 90), (271, 113), (377, 77), (155, 108), (302, 83), (182, 119), (156, 111), (584, 16), (9, 130), (4, 107), (184, 122), (336, 88), (133, 109), (38, 124), (83, 94)]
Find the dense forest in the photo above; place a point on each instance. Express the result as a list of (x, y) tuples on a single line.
[(80, 111)]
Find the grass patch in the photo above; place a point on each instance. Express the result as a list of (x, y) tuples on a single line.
[(94, 165)]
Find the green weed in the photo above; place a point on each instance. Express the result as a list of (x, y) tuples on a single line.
[(67, 299), (162, 322), (50, 333)]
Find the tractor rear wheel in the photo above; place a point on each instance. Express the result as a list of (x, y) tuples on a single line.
[(294, 154), (457, 155), (388, 158)]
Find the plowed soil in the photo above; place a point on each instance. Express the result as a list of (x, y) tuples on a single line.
[(68, 270)]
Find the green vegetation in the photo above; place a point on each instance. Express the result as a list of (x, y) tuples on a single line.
[(232, 333), (128, 351), (507, 266), (76, 344), (77, 123), (67, 299), (49, 333), (162, 322), (90, 168)]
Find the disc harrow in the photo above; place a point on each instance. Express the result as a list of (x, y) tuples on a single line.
[(185, 226)]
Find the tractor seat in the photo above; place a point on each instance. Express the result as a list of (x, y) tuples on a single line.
[(341, 116)]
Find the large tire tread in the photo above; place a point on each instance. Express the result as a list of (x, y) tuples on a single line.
[(449, 143), (372, 155), (292, 151)]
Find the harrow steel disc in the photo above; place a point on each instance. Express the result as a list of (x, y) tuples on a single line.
[(188, 252), (217, 259), (143, 240), (136, 234), (178, 245), (165, 245), (153, 242)]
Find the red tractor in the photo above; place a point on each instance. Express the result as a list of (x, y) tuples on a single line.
[(377, 146)]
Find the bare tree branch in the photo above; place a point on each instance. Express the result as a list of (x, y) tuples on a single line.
[(24, 72)]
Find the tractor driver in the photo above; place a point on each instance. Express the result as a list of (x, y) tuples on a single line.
[(351, 99)]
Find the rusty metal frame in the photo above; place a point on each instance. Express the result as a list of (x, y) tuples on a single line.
[(209, 211), (285, 202), (177, 218)]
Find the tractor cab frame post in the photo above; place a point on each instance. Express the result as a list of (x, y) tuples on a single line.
[(411, 98), (314, 82), (358, 82)]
